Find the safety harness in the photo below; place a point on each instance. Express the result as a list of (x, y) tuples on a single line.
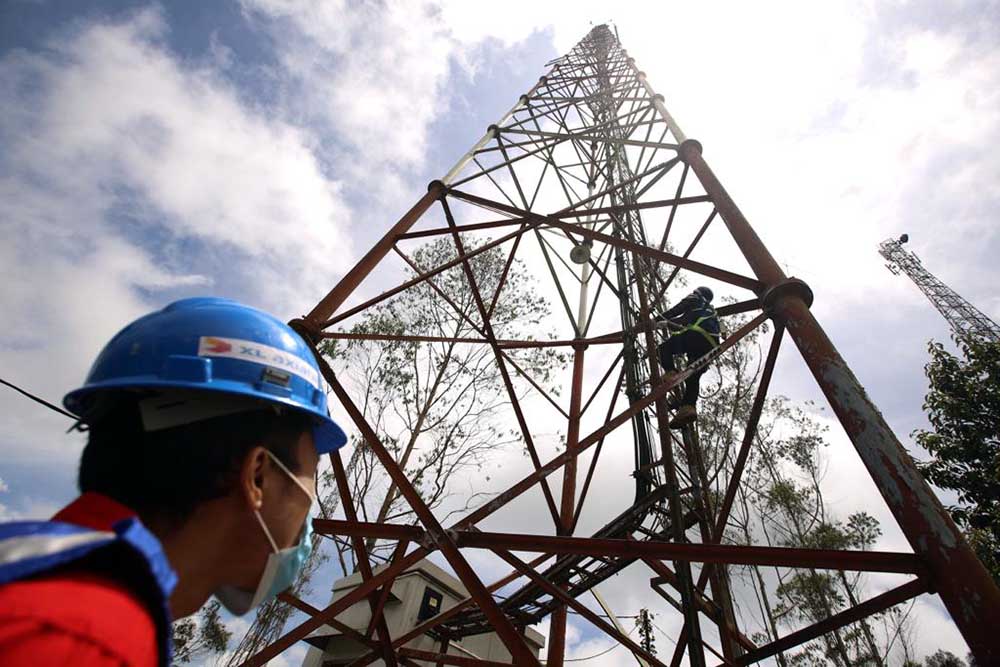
[(712, 338)]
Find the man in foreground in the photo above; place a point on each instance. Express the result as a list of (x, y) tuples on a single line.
[(205, 424)]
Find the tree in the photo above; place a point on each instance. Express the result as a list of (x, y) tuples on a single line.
[(942, 658), (780, 503), (644, 623), (195, 638), (433, 405), (963, 407)]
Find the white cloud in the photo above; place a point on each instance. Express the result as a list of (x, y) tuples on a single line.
[(824, 156), (372, 73), (128, 174)]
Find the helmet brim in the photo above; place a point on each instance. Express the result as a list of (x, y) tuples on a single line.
[(327, 436)]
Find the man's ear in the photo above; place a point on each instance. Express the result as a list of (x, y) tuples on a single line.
[(251, 480)]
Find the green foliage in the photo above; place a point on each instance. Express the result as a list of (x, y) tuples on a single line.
[(432, 404), (196, 638), (963, 407), (942, 658), (644, 622)]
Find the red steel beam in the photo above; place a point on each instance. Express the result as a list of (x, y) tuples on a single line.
[(556, 650), (471, 227), (326, 307), (394, 569), (738, 307), (749, 434), (659, 255), (705, 606), (345, 629), (419, 279), (578, 607), (300, 632), (633, 207), (450, 612), (435, 531), (361, 556), (966, 588), (831, 559), (875, 605), (501, 365), (445, 659)]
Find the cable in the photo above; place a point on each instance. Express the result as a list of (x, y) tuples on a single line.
[(597, 655), (36, 399)]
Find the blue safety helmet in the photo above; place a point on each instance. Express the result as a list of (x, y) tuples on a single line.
[(705, 293), (214, 345)]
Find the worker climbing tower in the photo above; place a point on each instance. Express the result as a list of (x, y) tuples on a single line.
[(590, 183), (964, 319)]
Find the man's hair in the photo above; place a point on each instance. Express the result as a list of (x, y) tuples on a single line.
[(166, 474)]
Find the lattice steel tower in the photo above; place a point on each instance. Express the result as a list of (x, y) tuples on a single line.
[(590, 181), (965, 319)]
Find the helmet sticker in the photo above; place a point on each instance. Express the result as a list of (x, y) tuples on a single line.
[(248, 350)]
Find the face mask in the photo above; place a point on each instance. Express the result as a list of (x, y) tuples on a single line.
[(282, 567)]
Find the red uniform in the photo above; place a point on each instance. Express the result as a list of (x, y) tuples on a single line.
[(75, 617)]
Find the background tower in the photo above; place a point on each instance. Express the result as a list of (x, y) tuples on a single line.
[(963, 318), (587, 170)]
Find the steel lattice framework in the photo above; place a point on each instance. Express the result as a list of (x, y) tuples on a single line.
[(963, 318), (590, 164)]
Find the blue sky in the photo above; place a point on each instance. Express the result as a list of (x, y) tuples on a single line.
[(255, 149)]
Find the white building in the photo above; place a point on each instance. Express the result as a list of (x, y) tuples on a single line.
[(417, 594)]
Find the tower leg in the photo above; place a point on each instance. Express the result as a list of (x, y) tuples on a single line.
[(966, 588)]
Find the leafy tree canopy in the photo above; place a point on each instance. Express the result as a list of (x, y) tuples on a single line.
[(963, 407)]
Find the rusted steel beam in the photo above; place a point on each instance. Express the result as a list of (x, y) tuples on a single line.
[(300, 632), (556, 649), (677, 527), (646, 251), (470, 227), (577, 606), (601, 340), (737, 308), (434, 286), (505, 343), (541, 390), (708, 607), (673, 211), (420, 278), (687, 253), (511, 639), (445, 659), (749, 433), (501, 365), (597, 452), (361, 557), (966, 588), (638, 206), (393, 569), (875, 605), (392, 338), (600, 384), (833, 559), (450, 612), (503, 276), (326, 307), (386, 591), (572, 443), (344, 629)]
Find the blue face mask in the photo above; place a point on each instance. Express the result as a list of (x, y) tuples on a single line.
[(282, 567)]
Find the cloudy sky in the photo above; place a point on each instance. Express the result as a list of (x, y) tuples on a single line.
[(254, 149)]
